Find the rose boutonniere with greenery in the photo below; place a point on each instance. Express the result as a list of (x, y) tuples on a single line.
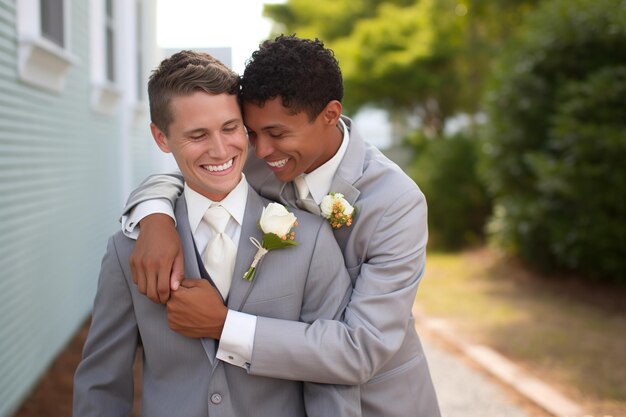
[(276, 223), (337, 210)]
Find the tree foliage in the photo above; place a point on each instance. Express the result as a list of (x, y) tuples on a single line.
[(447, 171), (557, 139), (426, 57)]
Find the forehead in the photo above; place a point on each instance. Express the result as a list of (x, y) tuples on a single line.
[(213, 108), (271, 113)]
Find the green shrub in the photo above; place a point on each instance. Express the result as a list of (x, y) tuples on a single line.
[(556, 141), (446, 171)]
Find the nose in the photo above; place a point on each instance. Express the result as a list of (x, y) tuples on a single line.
[(217, 150), (262, 146)]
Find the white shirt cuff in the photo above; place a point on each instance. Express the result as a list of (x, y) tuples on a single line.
[(130, 222), (237, 339)]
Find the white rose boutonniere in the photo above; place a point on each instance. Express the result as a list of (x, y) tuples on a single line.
[(276, 224), (337, 210)]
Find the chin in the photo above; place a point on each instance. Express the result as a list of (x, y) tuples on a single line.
[(284, 177)]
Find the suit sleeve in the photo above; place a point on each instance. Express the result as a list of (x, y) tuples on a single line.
[(103, 383), (376, 318), (326, 294), (164, 186)]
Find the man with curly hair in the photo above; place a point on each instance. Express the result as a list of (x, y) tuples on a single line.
[(197, 118), (305, 151)]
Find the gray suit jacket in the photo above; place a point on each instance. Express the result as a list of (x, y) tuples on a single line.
[(181, 376), (384, 252)]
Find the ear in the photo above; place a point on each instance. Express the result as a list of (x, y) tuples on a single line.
[(332, 112), (160, 138)]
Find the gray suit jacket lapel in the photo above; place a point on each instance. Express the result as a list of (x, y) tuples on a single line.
[(351, 167), (282, 192), (186, 237), (239, 287), (348, 173), (192, 270)]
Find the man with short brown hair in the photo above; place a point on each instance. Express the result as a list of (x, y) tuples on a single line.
[(197, 118)]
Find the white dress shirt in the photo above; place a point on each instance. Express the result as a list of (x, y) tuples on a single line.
[(237, 338), (239, 331), (197, 205), (320, 180)]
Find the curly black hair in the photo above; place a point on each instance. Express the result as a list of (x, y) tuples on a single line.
[(302, 72)]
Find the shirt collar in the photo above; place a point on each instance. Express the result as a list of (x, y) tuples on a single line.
[(320, 180), (234, 203)]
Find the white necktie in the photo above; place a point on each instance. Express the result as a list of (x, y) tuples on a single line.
[(219, 255), (305, 201)]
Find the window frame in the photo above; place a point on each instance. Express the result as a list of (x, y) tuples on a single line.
[(41, 62), (106, 93)]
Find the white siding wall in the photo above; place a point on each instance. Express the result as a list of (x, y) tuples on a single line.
[(61, 185)]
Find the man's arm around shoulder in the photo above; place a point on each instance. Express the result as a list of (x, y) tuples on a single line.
[(158, 186), (377, 316)]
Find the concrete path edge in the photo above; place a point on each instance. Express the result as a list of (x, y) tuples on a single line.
[(503, 369)]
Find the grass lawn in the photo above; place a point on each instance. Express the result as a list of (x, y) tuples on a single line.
[(568, 333)]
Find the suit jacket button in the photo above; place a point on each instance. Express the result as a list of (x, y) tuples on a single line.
[(216, 398)]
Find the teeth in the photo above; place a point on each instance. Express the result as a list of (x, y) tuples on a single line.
[(217, 168), (278, 164)]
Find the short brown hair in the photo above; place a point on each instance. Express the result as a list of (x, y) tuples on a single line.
[(182, 74)]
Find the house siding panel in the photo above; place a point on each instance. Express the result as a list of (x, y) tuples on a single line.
[(61, 186)]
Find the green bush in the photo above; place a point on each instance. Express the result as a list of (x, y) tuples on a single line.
[(446, 170), (556, 141)]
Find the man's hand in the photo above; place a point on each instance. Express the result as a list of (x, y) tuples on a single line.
[(157, 261), (196, 310)]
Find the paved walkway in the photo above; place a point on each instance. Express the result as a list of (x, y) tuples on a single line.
[(465, 392)]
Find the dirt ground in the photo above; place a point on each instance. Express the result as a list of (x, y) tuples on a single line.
[(52, 397)]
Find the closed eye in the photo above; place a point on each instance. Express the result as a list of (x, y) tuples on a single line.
[(275, 135), (198, 137)]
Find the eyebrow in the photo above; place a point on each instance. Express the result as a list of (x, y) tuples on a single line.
[(235, 120), (198, 130), (274, 126)]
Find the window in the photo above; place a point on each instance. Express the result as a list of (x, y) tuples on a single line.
[(105, 55), (139, 50), (51, 16), (43, 42), (109, 28), (118, 50), (139, 59)]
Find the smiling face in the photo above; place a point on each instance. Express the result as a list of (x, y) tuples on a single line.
[(208, 141), (292, 144)]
